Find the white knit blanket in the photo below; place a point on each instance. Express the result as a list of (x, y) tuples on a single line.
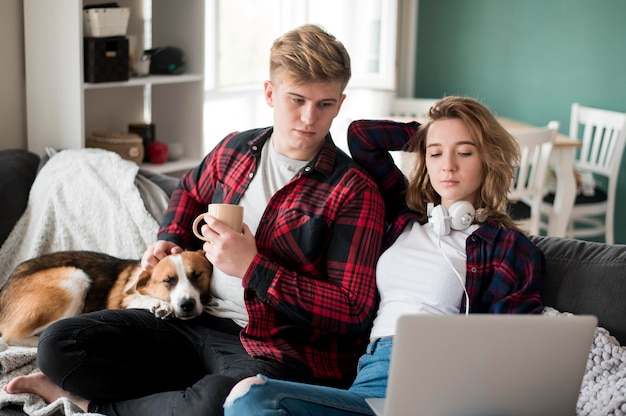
[(17, 361), (603, 391), (81, 200)]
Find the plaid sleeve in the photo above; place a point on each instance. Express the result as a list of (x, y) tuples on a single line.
[(370, 142), (521, 272), (183, 207), (198, 188)]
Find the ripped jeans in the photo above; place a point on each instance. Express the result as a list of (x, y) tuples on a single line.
[(277, 397)]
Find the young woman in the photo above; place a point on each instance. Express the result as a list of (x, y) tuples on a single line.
[(462, 254)]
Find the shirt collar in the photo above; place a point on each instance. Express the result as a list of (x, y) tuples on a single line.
[(489, 231), (323, 162)]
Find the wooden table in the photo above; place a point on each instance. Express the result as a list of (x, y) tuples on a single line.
[(562, 161)]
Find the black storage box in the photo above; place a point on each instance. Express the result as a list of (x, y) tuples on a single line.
[(106, 59)]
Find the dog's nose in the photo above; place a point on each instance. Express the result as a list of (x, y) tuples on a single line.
[(188, 305)]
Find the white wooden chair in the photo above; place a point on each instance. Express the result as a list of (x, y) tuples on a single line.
[(411, 107), (527, 191), (603, 137), (408, 108)]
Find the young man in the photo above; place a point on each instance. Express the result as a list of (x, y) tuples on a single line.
[(293, 295)]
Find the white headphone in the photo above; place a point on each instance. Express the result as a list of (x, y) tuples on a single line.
[(459, 216)]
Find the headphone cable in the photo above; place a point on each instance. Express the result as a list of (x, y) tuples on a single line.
[(458, 275)]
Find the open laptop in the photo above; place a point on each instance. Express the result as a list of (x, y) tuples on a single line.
[(484, 365)]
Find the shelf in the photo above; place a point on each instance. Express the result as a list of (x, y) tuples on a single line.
[(142, 81), (62, 109), (184, 164)]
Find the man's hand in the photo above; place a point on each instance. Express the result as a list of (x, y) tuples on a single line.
[(156, 251), (228, 250)]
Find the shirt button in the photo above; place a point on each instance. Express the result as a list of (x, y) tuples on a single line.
[(255, 148), (251, 175), (473, 269), (307, 169)]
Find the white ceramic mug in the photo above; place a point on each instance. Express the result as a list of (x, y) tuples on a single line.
[(229, 214)]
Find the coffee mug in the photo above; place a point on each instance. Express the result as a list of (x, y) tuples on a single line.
[(229, 214)]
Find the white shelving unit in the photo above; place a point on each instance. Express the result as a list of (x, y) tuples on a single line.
[(62, 109)]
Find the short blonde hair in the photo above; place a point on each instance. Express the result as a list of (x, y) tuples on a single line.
[(498, 150), (309, 54)]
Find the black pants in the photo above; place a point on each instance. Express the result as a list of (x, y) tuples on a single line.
[(127, 362)]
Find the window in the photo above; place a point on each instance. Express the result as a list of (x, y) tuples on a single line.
[(240, 34), (242, 42)]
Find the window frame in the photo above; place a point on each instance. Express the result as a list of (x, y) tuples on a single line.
[(294, 13)]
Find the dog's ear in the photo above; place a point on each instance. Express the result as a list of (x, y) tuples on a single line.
[(203, 254), (142, 280)]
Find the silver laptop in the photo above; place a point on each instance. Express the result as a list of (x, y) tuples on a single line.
[(484, 365)]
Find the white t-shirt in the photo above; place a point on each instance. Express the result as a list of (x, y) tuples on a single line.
[(413, 276), (275, 170)]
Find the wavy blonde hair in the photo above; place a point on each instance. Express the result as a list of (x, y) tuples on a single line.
[(498, 150), (309, 54)]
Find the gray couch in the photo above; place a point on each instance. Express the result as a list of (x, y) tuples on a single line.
[(582, 277), (586, 278)]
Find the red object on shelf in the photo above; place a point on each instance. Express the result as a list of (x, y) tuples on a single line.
[(158, 152)]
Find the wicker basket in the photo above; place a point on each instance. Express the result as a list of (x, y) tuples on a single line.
[(105, 22), (128, 145)]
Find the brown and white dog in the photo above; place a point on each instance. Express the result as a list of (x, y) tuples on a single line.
[(59, 285)]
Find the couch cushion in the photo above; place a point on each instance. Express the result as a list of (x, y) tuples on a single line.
[(586, 278), (18, 169), (165, 182)]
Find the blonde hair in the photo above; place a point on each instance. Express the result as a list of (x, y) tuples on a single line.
[(309, 54), (497, 149)]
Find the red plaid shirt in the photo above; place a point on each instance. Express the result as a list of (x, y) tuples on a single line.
[(310, 292)]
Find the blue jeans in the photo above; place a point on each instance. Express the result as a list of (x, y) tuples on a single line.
[(277, 397)]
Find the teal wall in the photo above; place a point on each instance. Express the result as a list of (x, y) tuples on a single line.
[(527, 59)]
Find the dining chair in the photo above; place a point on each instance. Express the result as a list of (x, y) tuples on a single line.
[(408, 108), (411, 107), (528, 188), (603, 135)]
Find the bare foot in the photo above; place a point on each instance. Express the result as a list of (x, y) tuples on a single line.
[(42, 386)]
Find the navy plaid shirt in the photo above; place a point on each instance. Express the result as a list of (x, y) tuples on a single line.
[(310, 292), (504, 270)]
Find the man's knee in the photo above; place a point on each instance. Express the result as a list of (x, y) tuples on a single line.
[(240, 389)]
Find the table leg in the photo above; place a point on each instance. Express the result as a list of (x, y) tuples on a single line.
[(565, 193)]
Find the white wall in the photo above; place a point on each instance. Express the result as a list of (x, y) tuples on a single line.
[(12, 86)]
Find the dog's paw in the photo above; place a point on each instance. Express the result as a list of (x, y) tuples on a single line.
[(162, 309)]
